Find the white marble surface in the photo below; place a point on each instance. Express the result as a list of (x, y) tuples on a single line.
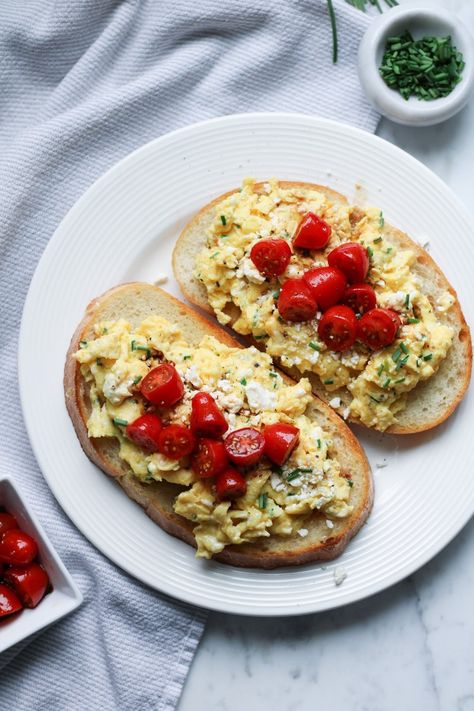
[(410, 648)]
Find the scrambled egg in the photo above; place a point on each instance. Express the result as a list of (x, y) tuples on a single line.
[(250, 393), (378, 381)]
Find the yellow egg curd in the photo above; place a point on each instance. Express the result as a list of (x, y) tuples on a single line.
[(278, 501), (377, 381)]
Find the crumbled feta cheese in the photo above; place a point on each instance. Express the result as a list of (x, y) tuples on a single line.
[(340, 574), (313, 357), (115, 390), (258, 397), (267, 187), (160, 279), (346, 412), (224, 385), (231, 402), (303, 532), (192, 376), (248, 270), (335, 402), (292, 270), (329, 523), (393, 300)]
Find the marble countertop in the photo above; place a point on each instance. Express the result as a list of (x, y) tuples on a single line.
[(409, 648)]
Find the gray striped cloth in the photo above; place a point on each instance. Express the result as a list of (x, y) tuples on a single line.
[(83, 83)]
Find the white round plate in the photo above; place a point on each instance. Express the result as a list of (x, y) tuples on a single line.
[(123, 229)]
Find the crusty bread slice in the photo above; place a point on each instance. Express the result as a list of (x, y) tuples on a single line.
[(430, 402), (135, 302)]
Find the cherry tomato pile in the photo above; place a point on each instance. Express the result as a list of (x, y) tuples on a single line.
[(339, 290), (213, 452), (23, 581)]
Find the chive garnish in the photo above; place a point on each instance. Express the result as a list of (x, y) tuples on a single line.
[(387, 383), (328, 382), (314, 346), (379, 239), (413, 320), (319, 443), (332, 17), (400, 380), (137, 379), (407, 301), (213, 256), (402, 362), (223, 220), (296, 472), (375, 399), (350, 482), (243, 381), (403, 347), (388, 250), (428, 356), (262, 501), (83, 344), (370, 252), (381, 220), (396, 354), (119, 421), (276, 294), (272, 374), (187, 357), (105, 330), (380, 369)]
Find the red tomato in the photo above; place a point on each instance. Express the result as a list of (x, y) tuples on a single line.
[(206, 418), (230, 484), (162, 385), (280, 441), (144, 431), (360, 297), (245, 447), (2, 568), (378, 328), (9, 601), (296, 302), (176, 441), (327, 285), (352, 259), (338, 328), (30, 583), (312, 232), (271, 256), (7, 521), (17, 547), (210, 458)]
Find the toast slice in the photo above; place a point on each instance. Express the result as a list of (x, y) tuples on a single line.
[(431, 401), (135, 302)]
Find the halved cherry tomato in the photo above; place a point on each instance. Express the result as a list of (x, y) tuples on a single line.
[(176, 441), (206, 418), (280, 440), (352, 259), (7, 521), (230, 484), (17, 547), (360, 297), (271, 256), (144, 431), (312, 232), (245, 446), (2, 568), (29, 583), (162, 385), (296, 302), (210, 458), (9, 601), (327, 285), (378, 328), (338, 328)]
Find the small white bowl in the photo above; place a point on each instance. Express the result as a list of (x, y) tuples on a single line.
[(65, 595), (420, 21)]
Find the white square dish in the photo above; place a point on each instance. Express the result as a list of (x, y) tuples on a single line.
[(65, 595)]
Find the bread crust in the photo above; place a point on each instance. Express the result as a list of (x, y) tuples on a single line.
[(157, 498), (457, 366)]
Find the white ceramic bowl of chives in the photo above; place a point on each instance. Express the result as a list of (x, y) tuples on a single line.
[(420, 22)]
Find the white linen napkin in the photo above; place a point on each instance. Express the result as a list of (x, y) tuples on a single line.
[(83, 83)]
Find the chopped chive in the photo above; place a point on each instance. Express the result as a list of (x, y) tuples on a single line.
[(428, 356), (332, 17), (375, 399), (137, 379), (403, 347), (328, 382), (272, 374), (243, 381), (387, 383), (413, 320), (350, 482), (187, 357), (400, 380), (296, 472), (381, 220), (319, 443), (314, 346), (213, 256), (223, 220), (119, 421), (105, 330), (388, 250), (379, 239), (370, 252), (236, 225), (83, 344), (401, 363), (380, 369), (262, 501), (276, 294), (396, 354), (407, 301)]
